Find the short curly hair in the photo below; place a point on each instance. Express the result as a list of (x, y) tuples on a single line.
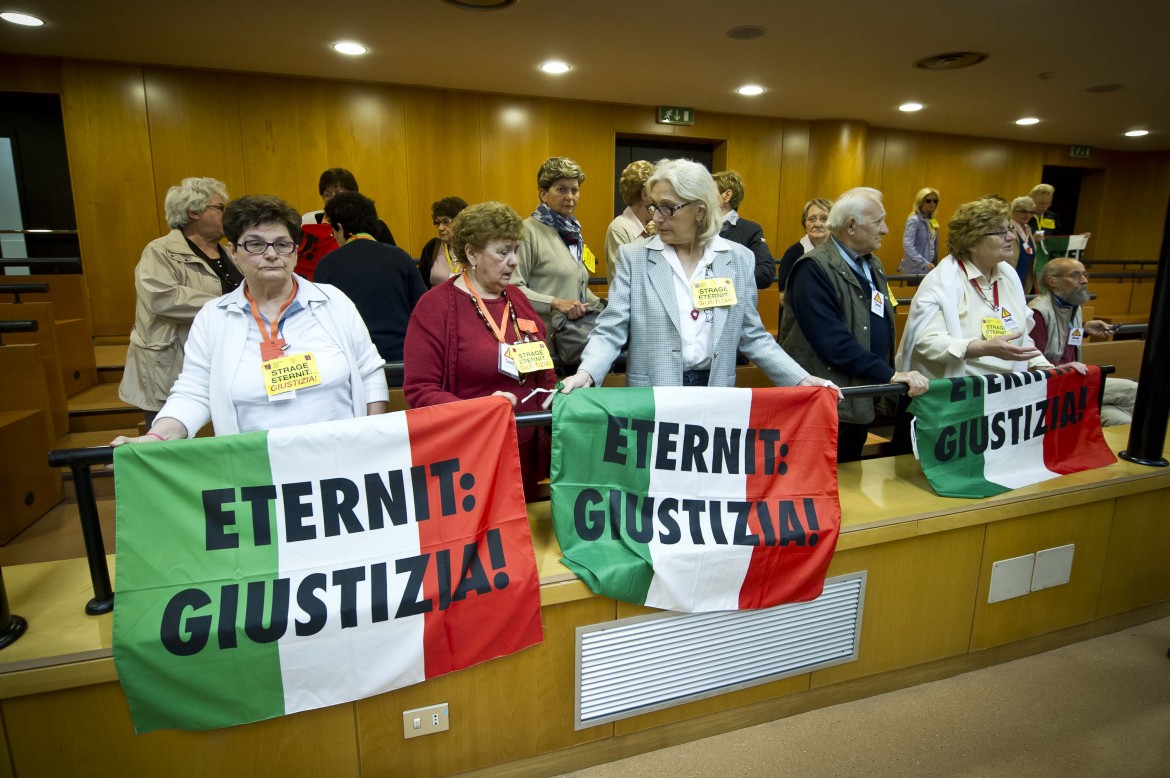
[(448, 206), (556, 168), (337, 177), (633, 181), (192, 194), (729, 179), (971, 222), (257, 210), (353, 211), (819, 202), (479, 224)]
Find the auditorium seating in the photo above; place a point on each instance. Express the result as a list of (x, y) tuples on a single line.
[(1124, 355)]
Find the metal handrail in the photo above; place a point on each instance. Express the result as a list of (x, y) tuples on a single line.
[(79, 461), (23, 288), (38, 232), (10, 326)]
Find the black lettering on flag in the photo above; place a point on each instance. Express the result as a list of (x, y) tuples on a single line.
[(743, 534), (347, 579), (771, 438), (749, 452), (260, 498), (590, 524), (665, 446), (445, 471), (443, 573), (946, 445), (216, 520), (312, 605), (615, 440), (763, 514), (295, 511), (278, 615), (695, 440), (198, 628), (694, 509), (379, 603), (716, 510), (639, 524), (810, 518), (496, 557), (642, 429), (339, 496), (670, 533), (422, 497), (615, 514), (958, 389), (472, 577), (382, 500), (229, 604), (412, 603), (791, 530), (726, 452)]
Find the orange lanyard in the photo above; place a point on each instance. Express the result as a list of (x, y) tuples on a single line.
[(360, 236), (979, 289), (271, 344), (497, 330)]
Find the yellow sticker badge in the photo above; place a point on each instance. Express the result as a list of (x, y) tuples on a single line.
[(531, 357), (288, 373), (588, 259), (713, 293), (993, 327)]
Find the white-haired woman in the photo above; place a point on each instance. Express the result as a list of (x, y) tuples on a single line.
[(1023, 209), (176, 275), (676, 339), (920, 238)]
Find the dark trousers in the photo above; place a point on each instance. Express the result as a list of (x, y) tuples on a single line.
[(850, 440)]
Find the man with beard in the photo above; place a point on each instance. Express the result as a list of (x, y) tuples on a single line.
[(1058, 331)]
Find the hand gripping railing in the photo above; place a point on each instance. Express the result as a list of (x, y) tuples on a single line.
[(79, 461)]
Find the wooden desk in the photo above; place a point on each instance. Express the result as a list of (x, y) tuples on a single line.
[(928, 560)]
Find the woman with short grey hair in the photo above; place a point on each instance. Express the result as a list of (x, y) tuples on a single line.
[(175, 276), (684, 300)]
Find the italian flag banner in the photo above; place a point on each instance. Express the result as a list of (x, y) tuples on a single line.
[(697, 499), (979, 436), (273, 572)]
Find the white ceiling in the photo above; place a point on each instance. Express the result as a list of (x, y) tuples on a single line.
[(848, 59)]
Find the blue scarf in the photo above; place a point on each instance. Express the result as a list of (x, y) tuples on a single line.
[(569, 229)]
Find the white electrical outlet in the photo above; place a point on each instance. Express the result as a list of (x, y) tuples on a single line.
[(1053, 567), (425, 721), (1011, 578)]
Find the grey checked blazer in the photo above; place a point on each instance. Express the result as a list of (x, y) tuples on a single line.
[(643, 307)]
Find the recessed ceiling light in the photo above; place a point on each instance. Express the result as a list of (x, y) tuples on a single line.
[(1137, 133), (22, 19), (555, 67), (1027, 120), (910, 107), (750, 90), (349, 47)]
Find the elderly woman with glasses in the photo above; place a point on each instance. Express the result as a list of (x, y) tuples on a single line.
[(684, 300), (920, 238), (276, 352), (437, 262), (176, 275), (814, 219), (970, 316)]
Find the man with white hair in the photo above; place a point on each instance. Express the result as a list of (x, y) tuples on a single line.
[(838, 322), (1057, 329)]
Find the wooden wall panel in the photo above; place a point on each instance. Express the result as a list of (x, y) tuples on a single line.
[(1136, 568), (365, 133), (514, 143), (755, 148), (905, 160), (29, 74), (110, 163), (282, 131), (1087, 527), (794, 185), (87, 731), (836, 155), (442, 155), (584, 131), (638, 120), (906, 622), (499, 710), (1136, 191), (194, 121)]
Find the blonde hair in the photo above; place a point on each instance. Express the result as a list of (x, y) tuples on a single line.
[(729, 179), (971, 222), (633, 181), (477, 225), (1042, 189), (922, 193)]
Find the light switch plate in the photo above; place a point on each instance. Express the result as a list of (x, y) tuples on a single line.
[(425, 721), (1011, 578), (1053, 567)]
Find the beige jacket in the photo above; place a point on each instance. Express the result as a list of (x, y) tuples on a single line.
[(172, 283), (547, 270)]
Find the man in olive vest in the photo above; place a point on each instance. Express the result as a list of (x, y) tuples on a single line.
[(1058, 331), (838, 321)]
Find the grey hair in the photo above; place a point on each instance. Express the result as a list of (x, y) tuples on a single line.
[(691, 181), (851, 205), (192, 194), (1024, 202), (1042, 189)]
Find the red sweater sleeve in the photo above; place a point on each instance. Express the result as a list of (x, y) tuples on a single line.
[(425, 351)]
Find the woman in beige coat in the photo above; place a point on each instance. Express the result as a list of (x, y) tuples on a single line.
[(176, 275)]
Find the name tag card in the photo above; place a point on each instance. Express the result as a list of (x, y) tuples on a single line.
[(588, 259), (290, 373), (992, 327), (531, 357), (1075, 336), (713, 293), (1009, 321), (877, 304)]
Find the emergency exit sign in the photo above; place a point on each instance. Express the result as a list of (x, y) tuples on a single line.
[(1080, 152), (670, 114)]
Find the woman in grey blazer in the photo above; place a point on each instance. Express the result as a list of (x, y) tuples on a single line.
[(670, 299)]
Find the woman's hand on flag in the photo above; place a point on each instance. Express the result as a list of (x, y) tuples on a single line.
[(917, 382), (579, 380), (812, 380), (1077, 366)]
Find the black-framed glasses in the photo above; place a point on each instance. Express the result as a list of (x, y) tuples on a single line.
[(1001, 234), (931, 200), (667, 210), (217, 206), (258, 247)]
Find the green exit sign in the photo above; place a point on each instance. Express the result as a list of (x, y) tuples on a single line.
[(670, 114), (1080, 152)]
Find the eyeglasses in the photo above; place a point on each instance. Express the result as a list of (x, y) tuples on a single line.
[(667, 210), (933, 200), (257, 247), (216, 206), (442, 221), (1077, 274), (1023, 210), (1001, 234), (328, 194), (817, 219)]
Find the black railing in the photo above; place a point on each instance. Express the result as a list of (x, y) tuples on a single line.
[(80, 460), (23, 288)]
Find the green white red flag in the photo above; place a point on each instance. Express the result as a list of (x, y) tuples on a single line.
[(697, 499), (273, 572), (978, 436)]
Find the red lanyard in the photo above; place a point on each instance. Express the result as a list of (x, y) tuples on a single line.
[(497, 330), (979, 289), (271, 344)]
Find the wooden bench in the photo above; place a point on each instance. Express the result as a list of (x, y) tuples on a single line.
[(768, 304), (1112, 297), (1125, 355), (66, 342)]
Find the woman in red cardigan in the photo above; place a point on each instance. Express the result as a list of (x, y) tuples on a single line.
[(461, 336)]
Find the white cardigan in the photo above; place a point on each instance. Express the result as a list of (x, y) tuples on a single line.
[(216, 346)]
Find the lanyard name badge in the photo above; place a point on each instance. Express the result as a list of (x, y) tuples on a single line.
[(1002, 321), (282, 374), (712, 293), (1075, 336), (532, 356)]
